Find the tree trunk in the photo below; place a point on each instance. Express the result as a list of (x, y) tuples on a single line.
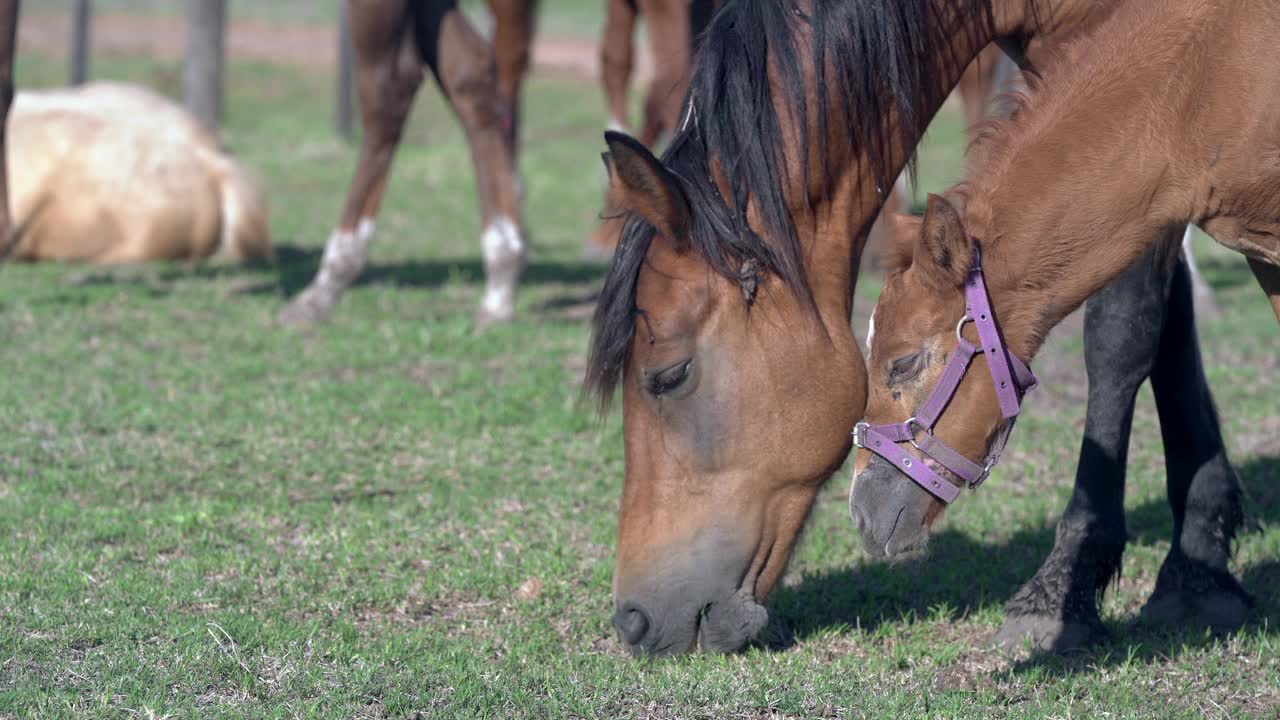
[(80, 42), (202, 77), (8, 36)]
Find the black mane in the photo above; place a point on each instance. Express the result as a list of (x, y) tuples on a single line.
[(874, 57)]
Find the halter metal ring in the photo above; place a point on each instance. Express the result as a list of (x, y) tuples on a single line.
[(913, 421), (960, 326)]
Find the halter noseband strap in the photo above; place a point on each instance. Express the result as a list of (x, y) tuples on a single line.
[(1010, 377)]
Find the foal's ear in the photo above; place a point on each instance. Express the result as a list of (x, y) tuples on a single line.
[(943, 247), (639, 183)]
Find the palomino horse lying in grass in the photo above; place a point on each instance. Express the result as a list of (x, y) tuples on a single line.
[(113, 173), (1163, 116), (395, 42), (725, 316)]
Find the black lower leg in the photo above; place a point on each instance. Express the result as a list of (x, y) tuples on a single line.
[(1058, 607), (1194, 584)]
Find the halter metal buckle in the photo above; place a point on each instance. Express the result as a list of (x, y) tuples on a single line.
[(860, 434)]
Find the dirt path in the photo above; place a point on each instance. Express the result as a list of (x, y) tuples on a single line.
[(302, 45)]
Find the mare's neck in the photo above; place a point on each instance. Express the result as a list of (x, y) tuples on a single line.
[(834, 241)]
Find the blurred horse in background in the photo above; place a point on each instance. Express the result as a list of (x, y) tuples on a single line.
[(395, 42), (114, 173), (673, 29)]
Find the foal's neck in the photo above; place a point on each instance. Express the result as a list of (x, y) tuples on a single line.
[(1088, 174)]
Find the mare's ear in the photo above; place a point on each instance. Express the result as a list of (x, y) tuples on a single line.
[(942, 249), (639, 183)]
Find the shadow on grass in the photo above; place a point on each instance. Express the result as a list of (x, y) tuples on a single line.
[(960, 576), (295, 267)]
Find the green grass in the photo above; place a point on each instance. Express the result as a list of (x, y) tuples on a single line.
[(202, 515)]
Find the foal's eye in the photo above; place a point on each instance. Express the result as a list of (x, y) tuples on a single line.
[(904, 368), (661, 382)]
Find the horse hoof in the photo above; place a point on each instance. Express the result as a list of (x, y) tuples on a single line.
[(1217, 610), (1042, 632), (486, 318), (306, 310)]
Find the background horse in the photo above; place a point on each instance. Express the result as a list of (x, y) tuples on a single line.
[(725, 316), (1064, 198), (114, 173), (672, 27), (394, 42)]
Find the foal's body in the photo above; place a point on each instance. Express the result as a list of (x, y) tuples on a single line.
[(1164, 115), (395, 42)]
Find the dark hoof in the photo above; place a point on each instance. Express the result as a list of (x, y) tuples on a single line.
[(1192, 593), (1218, 610), (1041, 632), (312, 306)]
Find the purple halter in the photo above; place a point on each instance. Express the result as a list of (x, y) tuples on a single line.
[(1010, 376)]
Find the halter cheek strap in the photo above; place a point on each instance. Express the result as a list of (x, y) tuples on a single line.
[(1010, 377)]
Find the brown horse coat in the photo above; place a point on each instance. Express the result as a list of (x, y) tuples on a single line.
[(114, 173)]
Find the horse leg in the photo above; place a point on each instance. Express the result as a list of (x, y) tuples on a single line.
[(463, 63), (1194, 584), (388, 74), (8, 37), (672, 46), (1268, 276), (512, 38), (617, 51), (1058, 607)]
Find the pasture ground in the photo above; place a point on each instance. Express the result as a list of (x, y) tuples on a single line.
[(398, 516)]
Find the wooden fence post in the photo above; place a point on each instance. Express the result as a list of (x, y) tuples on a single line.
[(80, 42), (202, 76)]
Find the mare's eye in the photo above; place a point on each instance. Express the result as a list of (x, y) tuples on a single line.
[(905, 368), (661, 382)]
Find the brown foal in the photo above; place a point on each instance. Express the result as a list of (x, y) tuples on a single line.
[(395, 42), (1163, 115)]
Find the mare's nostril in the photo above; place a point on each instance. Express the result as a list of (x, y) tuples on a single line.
[(632, 624)]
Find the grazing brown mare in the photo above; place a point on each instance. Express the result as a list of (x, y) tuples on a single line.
[(395, 42), (725, 315), (672, 27), (1162, 116)]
